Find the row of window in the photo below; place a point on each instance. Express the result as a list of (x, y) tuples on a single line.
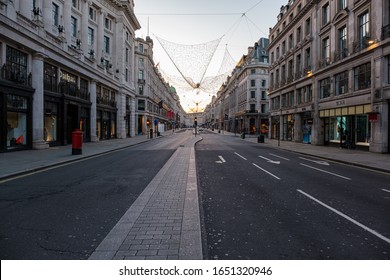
[(361, 81), (300, 96)]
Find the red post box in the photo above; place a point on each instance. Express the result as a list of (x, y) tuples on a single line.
[(77, 142)]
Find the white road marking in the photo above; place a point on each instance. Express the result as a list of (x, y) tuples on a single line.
[(385, 190), (270, 160), (278, 156), (222, 159), (346, 217), (266, 171), (240, 156), (316, 161), (334, 174)]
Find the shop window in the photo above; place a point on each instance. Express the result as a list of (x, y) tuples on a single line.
[(325, 88), (341, 83), (16, 121), (51, 122), (362, 76)]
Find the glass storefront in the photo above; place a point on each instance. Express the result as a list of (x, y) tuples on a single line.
[(51, 122), (353, 130), (16, 121)]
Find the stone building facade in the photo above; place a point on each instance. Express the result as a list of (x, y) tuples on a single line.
[(329, 73)]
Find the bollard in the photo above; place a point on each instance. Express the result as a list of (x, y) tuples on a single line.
[(77, 142)]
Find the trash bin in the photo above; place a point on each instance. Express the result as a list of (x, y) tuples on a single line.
[(77, 142), (151, 133), (243, 135), (260, 139)]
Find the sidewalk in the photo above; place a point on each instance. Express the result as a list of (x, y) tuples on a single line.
[(365, 159), (21, 162)]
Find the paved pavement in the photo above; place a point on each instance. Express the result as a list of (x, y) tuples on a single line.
[(164, 222)]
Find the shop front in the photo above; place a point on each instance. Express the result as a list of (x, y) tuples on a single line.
[(15, 119), (347, 127)]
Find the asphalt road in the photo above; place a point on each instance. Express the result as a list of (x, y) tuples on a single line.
[(64, 213), (264, 203)]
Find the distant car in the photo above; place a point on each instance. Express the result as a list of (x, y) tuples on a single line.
[(200, 129)]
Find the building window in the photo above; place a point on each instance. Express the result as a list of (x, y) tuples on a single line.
[(141, 90), (73, 26), (127, 75), (325, 88), (91, 37), (263, 95), (92, 14), (343, 50), (308, 27), (141, 48), (16, 66), (253, 83), (141, 74), (325, 52), (108, 23), (106, 44), (362, 76), (308, 60), (325, 14), (252, 107), (253, 71), (141, 62), (299, 66), (50, 77), (291, 41), (283, 47), (75, 4), (55, 14), (253, 94), (364, 30), (299, 34), (263, 83), (341, 4), (341, 83)]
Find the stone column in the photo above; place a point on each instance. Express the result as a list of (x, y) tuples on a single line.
[(25, 8), (94, 137), (38, 102), (298, 133), (133, 117), (121, 122), (66, 20), (84, 27), (100, 34)]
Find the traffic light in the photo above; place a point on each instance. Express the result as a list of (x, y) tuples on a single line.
[(195, 121)]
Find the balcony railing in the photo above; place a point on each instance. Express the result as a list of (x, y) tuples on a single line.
[(13, 74), (72, 90)]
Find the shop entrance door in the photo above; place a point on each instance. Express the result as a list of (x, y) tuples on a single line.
[(72, 121)]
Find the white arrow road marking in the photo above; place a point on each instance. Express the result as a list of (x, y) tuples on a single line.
[(278, 156), (218, 161), (386, 190), (270, 160), (315, 161), (334, 174), (266, 171), (222, 159), (240, 156), (347, 217)]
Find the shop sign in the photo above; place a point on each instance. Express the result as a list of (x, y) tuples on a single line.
[(66, 77)]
